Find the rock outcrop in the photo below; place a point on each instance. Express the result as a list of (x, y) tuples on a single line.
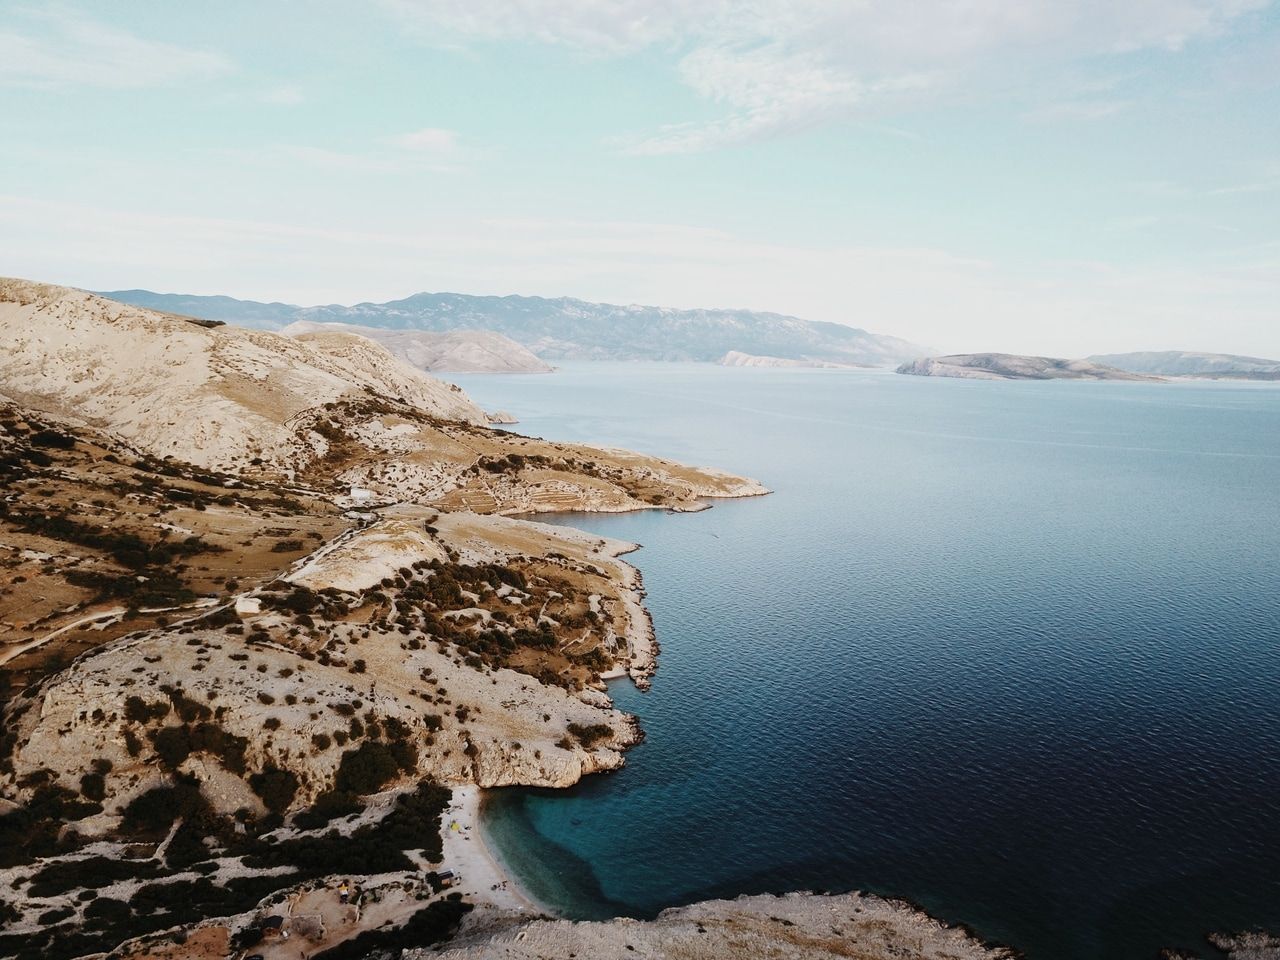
[(792, 927)]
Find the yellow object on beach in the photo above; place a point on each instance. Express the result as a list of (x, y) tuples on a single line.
[(454, 825)]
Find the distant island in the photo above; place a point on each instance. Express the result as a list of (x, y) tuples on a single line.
[(736, 358), (567, 329), (1190, 363), (457, 351), (1008, 366)]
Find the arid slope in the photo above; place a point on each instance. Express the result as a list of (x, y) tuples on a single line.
[(254, 590)]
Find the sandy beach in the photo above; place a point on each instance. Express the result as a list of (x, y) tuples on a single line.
[(482, 877)]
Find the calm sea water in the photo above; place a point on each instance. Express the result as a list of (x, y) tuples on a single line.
[(1010, 650)]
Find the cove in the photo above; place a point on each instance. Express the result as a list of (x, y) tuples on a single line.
[(1008, 650)]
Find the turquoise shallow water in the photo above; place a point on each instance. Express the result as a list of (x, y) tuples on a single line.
[(1011, 650)]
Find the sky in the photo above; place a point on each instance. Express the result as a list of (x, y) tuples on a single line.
[(1046, 176)]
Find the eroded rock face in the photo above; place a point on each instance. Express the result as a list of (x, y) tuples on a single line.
[(791, 927)]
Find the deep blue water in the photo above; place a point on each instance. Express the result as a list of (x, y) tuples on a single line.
[(1010, 650)]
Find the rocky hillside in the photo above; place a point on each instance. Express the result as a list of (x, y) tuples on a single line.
[(260, 613), (568, 329), (213, 396), (1006, 366), (457, 351), (1188, 363), (333, 409), (794, 927)]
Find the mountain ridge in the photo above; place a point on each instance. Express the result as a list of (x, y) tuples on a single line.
[(454, 351), (567, 328), (1192, 363)]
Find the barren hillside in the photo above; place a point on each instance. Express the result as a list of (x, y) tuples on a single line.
[(253, 589)]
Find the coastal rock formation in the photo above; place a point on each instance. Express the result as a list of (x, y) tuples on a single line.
[(1190, 363), (569, 329), (456, 351), (735, 358), (792, 927), (219, 397), (333, 409), (1247, 946), (1006, 366), (260, 611)]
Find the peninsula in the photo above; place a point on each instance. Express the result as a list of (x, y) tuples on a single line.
[(255, 589), (267, 629)]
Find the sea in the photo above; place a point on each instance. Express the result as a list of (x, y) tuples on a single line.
[(1007, 650)]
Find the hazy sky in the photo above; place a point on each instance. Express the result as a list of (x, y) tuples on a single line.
[(1053, 176)]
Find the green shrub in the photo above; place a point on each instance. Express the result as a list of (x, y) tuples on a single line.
[(276, 787), (93, 786), (172, 745), (155, 810), (588, 736), (366, 769), (137, 710)]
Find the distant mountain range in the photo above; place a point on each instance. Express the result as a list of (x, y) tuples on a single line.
[(1187, 363), (458, 351), (568, 329)]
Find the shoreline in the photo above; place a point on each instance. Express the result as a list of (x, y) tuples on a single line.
[(484, 878)]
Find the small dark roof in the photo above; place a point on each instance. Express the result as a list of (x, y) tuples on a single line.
[(273, 923)]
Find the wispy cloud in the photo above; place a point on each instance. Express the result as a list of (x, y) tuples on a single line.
[(433, 150), (429, 140), (1260, 186), (781, 66), (64, 48), (1080, 110), (285, 95)]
